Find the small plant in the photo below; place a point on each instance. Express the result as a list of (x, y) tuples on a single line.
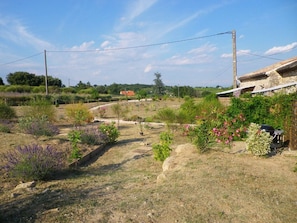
[(102, 112), (162, 150), (111, 132), (38, 126), (92, 136), (258, 141), (78, 114), (5, 126), (6, 112), (201, 136), (74, 137), (33, 162)]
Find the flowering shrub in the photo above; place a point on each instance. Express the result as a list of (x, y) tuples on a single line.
[(258, 141), (38, 126), (102, 112), (33, 162), (162, 150), (92, 136), (230, 130), (111, 132)]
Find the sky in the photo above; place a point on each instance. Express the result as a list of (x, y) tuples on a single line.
[(189, 42)]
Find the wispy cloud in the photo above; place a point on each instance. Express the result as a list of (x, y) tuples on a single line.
[(13, 30), (281, 49), (135, 9), (238, 53), (192, 17)]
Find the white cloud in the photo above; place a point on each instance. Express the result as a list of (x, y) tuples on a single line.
[(13, 30), (281, 49), (148, 68), (136, 9), (83, 46), (206, 48), (239, 53), (105, 44)]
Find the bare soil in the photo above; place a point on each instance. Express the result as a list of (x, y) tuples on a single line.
[(126, 184)]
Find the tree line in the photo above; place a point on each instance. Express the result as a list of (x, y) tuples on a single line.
[(30, 83)]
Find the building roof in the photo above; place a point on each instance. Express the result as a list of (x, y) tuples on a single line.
[(282, 66), (275, 88), (234, 90)]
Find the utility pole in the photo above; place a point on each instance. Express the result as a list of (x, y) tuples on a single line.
[(45, 65), (234, 59)]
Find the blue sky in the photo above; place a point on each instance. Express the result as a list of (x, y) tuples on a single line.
[(97, 41)]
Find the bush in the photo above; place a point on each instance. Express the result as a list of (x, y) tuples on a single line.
[(38, 126), (201, 136), (78, 114), (74, 137), (258, 141), (33, 162), (39, 107), (6, 112), (162, 150), (111, 132), (92, 136), (5, 126)]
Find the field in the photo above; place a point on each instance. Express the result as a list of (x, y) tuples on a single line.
[(126, 184)]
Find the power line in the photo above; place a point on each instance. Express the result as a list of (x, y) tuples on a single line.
[(139, 46), (21, 59)]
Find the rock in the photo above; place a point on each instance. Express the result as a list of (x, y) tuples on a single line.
[(161, 178), (27, 185)]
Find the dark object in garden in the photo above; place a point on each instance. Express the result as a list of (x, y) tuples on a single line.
[(277, 134)]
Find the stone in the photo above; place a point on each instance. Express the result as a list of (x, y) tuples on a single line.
[(27, 185)]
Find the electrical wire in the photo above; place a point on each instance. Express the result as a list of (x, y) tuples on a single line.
[(140, 46), (21, 59)]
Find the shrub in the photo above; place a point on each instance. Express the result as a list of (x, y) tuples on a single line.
[(162, 150), (6, 112), (102, 112), (258, 141), (92, 136), (33, 162), (111, 132), (5, 126), (201, 136), (230, 129), (78, 114), (40, 108), (38, 126), (74, 137)]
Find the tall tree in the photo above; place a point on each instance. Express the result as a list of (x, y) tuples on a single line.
[(159, 86)]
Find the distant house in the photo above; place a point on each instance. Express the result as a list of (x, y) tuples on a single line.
[(127, 93), (281, 76)]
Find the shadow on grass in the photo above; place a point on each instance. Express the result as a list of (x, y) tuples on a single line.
[(32, 207)]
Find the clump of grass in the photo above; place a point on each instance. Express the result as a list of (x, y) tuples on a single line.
[(33, 162)]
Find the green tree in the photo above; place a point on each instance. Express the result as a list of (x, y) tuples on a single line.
[(159, 86), (1, 81), (23, 78)]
